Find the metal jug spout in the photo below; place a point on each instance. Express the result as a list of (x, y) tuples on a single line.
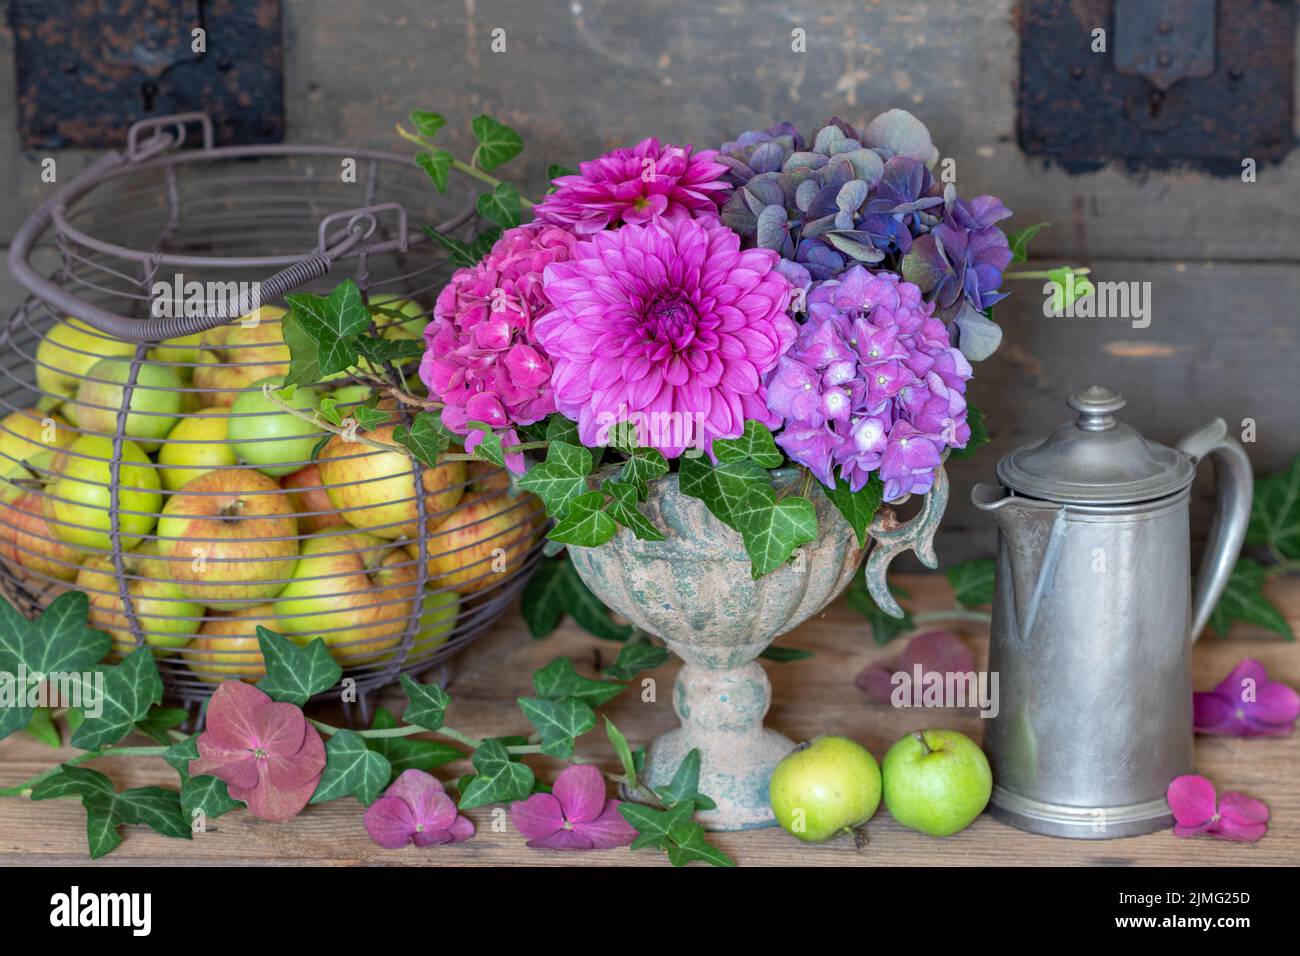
[(1033, 532), (1022, 520)]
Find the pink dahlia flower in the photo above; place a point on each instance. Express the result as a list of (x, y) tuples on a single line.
[(482, 360), (635, 186), (669, 327)]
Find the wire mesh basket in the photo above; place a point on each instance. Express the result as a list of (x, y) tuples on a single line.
[(143, 463)]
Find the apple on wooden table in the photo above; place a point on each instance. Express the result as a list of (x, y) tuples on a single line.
[(936, 781)]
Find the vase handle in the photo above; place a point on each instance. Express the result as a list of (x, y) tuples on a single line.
[(893, 537)]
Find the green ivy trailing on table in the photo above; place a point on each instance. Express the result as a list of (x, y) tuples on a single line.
[(358, 763)]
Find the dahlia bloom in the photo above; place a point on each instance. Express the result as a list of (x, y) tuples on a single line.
[(482, 360), (872, 383), (668, 326), (636, 186)]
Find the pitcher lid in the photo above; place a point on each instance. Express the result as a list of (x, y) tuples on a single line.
[(1095, 459)]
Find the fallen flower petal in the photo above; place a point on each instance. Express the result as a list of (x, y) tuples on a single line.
[(1246, 704), (416, 809), (1197, 810)]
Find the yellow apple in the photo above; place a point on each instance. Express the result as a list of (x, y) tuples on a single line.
[(483, 542), (237, 355), (183, 351), (226, 646), (195, 446), (166, 619), (155, 400), (67, 352), (29, 431), (83, 494), (410, 326), (312, 504)]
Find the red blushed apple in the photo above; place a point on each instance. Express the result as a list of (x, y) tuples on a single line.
[(355, 591), (310, 501), (226, 646), (375, 490), (483, 542), (484, 476), (166, 619), (27, 538), (230, 538), (237, 355)]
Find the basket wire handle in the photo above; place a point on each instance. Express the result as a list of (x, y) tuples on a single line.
[(162, 141)]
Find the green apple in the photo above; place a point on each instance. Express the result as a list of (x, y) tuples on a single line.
[(29, 431), (195, 446), (82, 494), (825, 787), (156, 400), (269, 438), (352, 590), (936, 781), (164, 616), (67, 352), (350, 396), (410, 326), (184, 350)]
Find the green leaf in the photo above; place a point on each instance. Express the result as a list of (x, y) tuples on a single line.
[(558, 722), (106, 810), (328, 409), (125, 695), (619, 743), (501, 206), (721, 488), (483, 243), (1243, 600), (689, 844), (883, 627), (43, 728), (207, 795), (179, 754), (497, 143), (437, 164), (489, 449), (1019, 241), (772, 529), (559, 428), (979, 434), (858, 507), (972, 581), (102, 834), (561, 478), (558, 680), (1275, 512), (73, 782), (624, 510), (295, 674), (556, 589), (351, 768), (427, 704), (158, 809), (408, 753), (57, 642), (427, 124), (304, 352), (635, 658), (555, 171), (685, 785), (643, 465), (784, 655), (654, 827), (460, 253), (499, 779), (755, 443), (368, 419), (159, 720), (383, 351), (585, 524), (332, 321), (427, 438)]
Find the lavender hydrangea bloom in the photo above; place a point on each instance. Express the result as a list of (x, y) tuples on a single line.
[(870, 384)]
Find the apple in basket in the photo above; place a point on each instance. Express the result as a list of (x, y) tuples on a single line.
[(226, 646), (27, 538), (353, 590), (266, 436), (182, 352), (67, 352), (409, 326), (167, 619), (375, 490), (483, 542), (230, 538), (310, 502), (30, 431), (156, 400), (82, 494), (196, 445), (237, 355)]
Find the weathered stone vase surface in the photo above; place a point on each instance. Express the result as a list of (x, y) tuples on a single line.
[(695, 591)]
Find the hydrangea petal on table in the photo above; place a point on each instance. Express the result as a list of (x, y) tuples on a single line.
[(1198, 809), (416, 809), (575, 815), (1246, 704)]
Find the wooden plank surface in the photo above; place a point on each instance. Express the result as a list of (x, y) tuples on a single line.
[(810, 697)]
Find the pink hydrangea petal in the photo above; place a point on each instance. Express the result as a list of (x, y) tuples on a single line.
[(230, 720), (413, 786), (236, 767), (1238, 812), (580, 790), (1247, 670), (279, 804), (608, 830), (562, 839), (300, 769), (1278, 706), (390, 823), (1212, 713), (537, 817), (1192, 800), (462, 828), (279, 728)]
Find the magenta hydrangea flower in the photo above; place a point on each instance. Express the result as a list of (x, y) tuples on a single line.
[(635, 186), (1246, 704), (482, 359), (872, 383), (416, 809), (1198, 809), (669, 327), (935, 652), (574, 816)]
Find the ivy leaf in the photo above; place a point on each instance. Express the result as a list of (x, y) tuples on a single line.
[(73, 782), (501, 205), (426, 438), (125, 695), (558, 681), (979, 434), (1019, 241), (352, 768), (723, 487), (154, 807), (561, 478), (427, 124), (106, 810), (858, 507), (558, 722), (1243, 600), (755, 443), (159, 720), (556, 589), (585, 524), (304, 352), (368, 419), (328, 409), (499, 779), (559, 428), (643, 465), (489, 449), (772, 529), (427, 704), (484, 242), (624, 752), (688, 843), (295, 674), (685, 785), (635, 658), (408, 753), (784, 655), (43, 728), (497, 143), (883, 627), (383, 351), (1275, 512), (332, 321), (654, 827), (460, 253), (555, 171), (972, 581), (207, 795), (623, 509), (437, 163)]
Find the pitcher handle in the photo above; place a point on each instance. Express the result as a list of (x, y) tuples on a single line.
[(1234, 485)]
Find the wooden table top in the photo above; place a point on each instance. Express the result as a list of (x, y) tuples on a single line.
[(809, 697)]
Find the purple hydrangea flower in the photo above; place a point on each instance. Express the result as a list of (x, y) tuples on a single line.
[(575, 815), (1246, 704), (416, 809)]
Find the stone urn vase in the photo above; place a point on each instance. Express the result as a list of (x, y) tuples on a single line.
[(695, 591)]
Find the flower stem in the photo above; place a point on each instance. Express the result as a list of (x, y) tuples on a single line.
[(1043, 274), (24, 789), (953, 614), (466, 168)]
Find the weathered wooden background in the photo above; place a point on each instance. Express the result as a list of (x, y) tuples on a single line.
[(1222, 256)]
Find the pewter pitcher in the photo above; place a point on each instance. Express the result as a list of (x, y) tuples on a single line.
[(1093, 618)]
